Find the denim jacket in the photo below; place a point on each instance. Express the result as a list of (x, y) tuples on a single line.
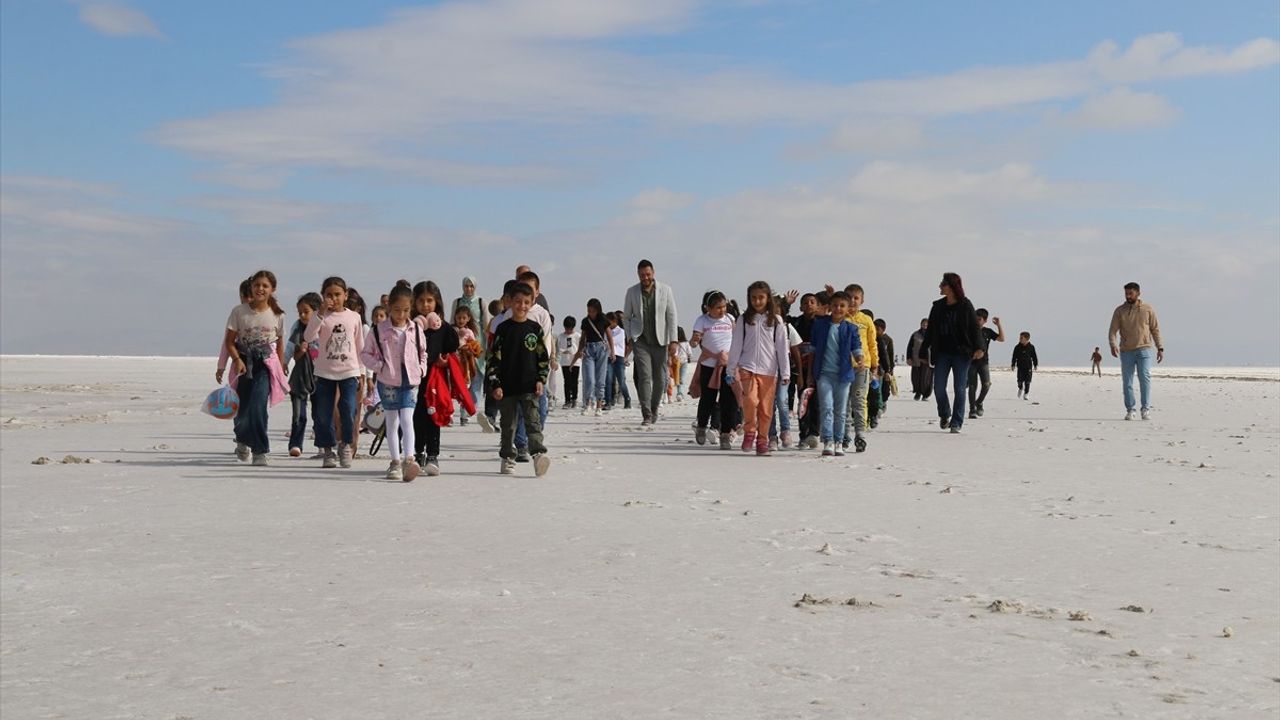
[(850, 346)]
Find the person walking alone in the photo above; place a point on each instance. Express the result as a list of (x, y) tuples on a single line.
[(1139, 331)]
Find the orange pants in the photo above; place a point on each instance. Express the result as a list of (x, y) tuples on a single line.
[(757, 400)]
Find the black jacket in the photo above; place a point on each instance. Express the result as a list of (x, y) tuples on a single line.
[(1024, 356), (518, 357), (953, 329)]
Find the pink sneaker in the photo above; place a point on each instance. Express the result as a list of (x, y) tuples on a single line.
[(749, 441), (762, 447)]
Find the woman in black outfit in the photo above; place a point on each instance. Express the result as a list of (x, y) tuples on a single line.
[(952, 338)]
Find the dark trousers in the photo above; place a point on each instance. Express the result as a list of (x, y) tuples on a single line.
[(570, 374), (251, 418), (525, 407), (490, 405), (728, 414), (1024, 380), (922, 380), (979, 370), (322, 410), (426, 433), (298, 430)]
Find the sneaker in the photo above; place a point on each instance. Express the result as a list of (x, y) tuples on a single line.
[(1128, 414), (410, 469), (774, 444), (917, 396), (726, 441), (979, 410), (586, 409), (859, 444), (432, 466), (944, 423), (812, 444), (1019, 393), (541, 464), (295, 452), (973, 414), (700, 435), (344, 455), (330, 459), (260, 459), (464, 421), (598, 411), (873, 422), (748, 442), (242, 452), (955, 429), (787, 441), (763, 447), (839, 448), (395, 471), (1026, 395), (626, 404), (1146, 414), (508, 466), (485, 422), (828, 449), (844, 445), (522, 455)]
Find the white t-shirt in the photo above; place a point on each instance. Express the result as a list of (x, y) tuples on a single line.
[(255, 327), (567, 345), (793, 336), (717, 335), (619, 342)]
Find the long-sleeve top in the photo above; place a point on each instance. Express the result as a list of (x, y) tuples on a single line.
[(1024, 357), (759, 347), (867, 334), (1137, 325), (953, 329), (390, 351), (884, 346), (518, 357), (341, 338), (917, 350), (849, 347)]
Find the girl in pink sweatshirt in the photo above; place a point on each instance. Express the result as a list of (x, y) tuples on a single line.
[(759, 359), (340, 335), (397, 357)]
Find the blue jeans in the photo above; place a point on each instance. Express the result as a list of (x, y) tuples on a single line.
[(595, 371), (617, 371), (1139, 360), (322, 410), (251, 418), (298, 431), (522, 437), (831, 394), (958, 366), (781, 413)]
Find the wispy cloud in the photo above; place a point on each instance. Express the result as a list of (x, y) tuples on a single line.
[(1124, 109), (402, 97), (117, 20)]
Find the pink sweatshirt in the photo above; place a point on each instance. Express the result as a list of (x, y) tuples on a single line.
[(759, 348), (407, 348), (341, 338)]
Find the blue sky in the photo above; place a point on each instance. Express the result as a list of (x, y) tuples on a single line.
[(153, 154)]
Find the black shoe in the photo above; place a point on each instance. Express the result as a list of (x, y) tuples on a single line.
[(626, 405), (421, 459), (522, 455), (973, 414), (859, 444), (873, 423), (944, 423), (917, 396), (978, 410)]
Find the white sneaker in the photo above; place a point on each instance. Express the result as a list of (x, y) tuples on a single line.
[(395, 471), (483, 421), (1146, 413), (838, 449), (1128, 414), (541, 464), (508, 466), (260, 459), (330, 459), (242, 452), (828, 449), (433, 466), (410, 469), (344, 455), (597, 411)]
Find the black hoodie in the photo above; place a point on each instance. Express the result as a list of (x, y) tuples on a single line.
[(953, 329)]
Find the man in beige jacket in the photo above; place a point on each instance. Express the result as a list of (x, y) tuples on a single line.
[(1139, 331)]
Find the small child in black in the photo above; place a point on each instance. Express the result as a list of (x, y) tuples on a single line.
[(517, 370), (1025, 362)]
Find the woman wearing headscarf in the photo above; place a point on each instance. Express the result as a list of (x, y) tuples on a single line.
[(480, 313)]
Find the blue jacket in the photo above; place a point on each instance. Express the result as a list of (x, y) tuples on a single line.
[(850, 345)]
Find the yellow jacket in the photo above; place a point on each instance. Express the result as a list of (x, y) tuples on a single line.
[(867, 333)]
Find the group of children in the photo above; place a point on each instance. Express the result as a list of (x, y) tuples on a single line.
[(834, 359)]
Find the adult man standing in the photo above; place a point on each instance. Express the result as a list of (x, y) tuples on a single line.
[(918, 360), (1139, 331), (649, 314)]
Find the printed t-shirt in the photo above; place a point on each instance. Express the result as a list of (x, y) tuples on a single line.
[(255, 327), (717, 335)]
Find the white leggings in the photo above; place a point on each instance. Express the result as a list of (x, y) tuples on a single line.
[(399, 421)]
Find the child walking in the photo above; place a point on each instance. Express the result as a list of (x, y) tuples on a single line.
[(339, 333), (595, 350), (398, 359), (255, 344), (441, 340), (302, 378), (837, 351), (567, 348), (469, 352), (1025, 362), (758, 358), (518, 366), (712, 337)]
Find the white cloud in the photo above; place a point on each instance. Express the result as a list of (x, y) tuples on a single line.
[(409, 96), (879, 136), (1124, 109), (655, 206), (118, 20), (273, 212)]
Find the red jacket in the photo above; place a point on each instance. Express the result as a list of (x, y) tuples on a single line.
[(442, 387)]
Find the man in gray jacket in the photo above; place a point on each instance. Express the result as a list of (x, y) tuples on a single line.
[(649, 313)]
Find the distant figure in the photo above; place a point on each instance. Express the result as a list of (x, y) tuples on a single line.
[(918, 361), (1139, 331), (1025, 362), (1097, 362)]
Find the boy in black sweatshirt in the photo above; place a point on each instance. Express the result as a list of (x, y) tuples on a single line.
[(1024, 361), (518, 365)]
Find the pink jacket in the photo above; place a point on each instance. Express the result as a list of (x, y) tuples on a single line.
[(384, 359)]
